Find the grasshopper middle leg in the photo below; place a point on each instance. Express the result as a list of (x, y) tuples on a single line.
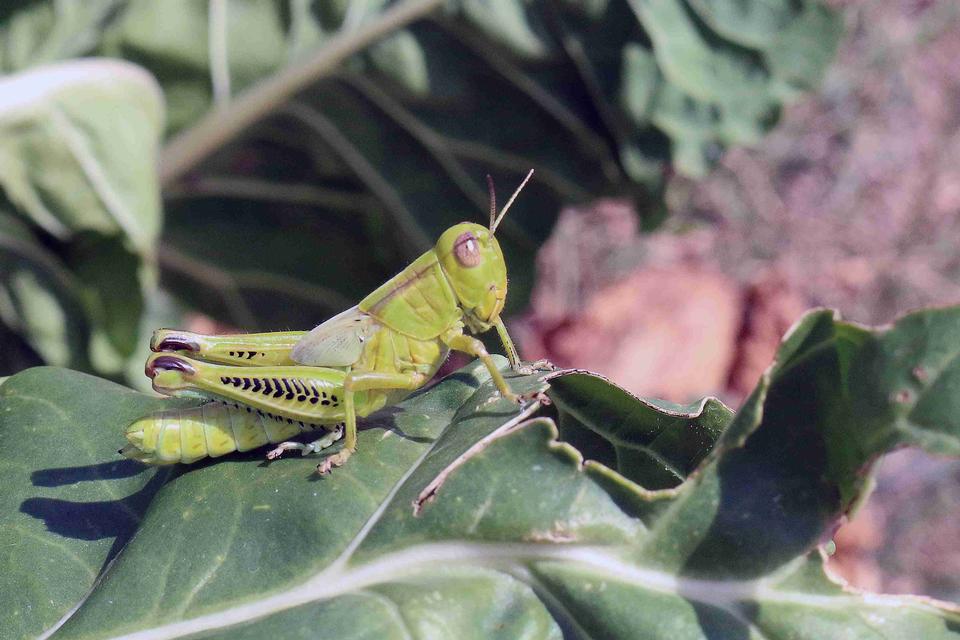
[(364, 381)]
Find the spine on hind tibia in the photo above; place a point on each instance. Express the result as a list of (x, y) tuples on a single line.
[(212, 429)]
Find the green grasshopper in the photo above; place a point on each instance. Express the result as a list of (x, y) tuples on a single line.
[(269, 387)]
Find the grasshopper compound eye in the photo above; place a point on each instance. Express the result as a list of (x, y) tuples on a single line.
[(466, 250)]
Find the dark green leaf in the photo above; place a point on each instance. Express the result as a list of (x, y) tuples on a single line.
[(17, 354), (40, 300), (456, 504), (70, 503), (78, 143), (322, 146), (751, 24), (905, 384), (112, 295), (800, 53), (652, 442)]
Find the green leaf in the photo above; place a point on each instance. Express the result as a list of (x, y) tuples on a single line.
[(751, 24), (320, 147), (652, 442), (78, 142), (459, 515), (801, 52), (34, 33), (113, 298), (69, 506), (176, 41), (905, 384), (160, 310)]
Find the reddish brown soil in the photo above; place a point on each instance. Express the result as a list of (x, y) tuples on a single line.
[(852, 203)]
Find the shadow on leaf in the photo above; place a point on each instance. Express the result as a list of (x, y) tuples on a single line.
[(60, 476), (117, 519)]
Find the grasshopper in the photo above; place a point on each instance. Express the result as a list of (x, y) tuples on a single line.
[(268, 387)]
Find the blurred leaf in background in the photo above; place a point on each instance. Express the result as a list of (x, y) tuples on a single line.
[(314, 148), (81, 208)]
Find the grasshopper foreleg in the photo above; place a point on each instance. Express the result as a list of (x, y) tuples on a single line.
[(475, 348), (524, 368)]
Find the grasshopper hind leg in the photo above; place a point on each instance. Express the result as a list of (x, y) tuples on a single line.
[(364, 381), (243, 349), (317, 445)]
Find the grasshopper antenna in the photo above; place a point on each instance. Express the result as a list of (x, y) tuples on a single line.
[(496, 222), (493, 201)]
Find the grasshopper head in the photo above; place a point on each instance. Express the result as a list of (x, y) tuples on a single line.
[(472, 259), (473, 262)]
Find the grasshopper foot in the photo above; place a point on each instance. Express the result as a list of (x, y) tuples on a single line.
[(512, 397), (529, 368), (336, 460), (305, 449), (538, 396), (276, 452)]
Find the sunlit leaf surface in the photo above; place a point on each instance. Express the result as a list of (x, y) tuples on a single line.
[(461, 516)]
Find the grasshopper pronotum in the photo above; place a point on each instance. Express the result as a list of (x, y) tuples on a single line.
[(271, 386)]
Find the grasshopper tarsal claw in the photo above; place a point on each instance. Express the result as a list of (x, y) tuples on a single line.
[(538, 396), (542, 365), (276, 452), (270, 387), (529, 368), (336, 460)]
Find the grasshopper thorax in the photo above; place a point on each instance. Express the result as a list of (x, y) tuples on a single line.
[(473, 263)]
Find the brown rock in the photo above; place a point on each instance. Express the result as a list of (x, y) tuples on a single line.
[(668, 333)]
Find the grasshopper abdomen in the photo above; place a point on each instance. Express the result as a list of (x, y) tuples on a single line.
[(210, 430)]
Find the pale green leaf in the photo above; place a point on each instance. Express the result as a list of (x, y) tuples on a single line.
[(78, 144)]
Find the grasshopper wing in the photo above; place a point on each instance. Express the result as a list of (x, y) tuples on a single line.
[(338, 342)]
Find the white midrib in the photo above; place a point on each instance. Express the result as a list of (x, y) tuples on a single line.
[(508, 558), (336, 567), (341, 578), (339, 565)]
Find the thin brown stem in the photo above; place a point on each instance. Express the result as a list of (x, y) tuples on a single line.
[(219, 126)]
